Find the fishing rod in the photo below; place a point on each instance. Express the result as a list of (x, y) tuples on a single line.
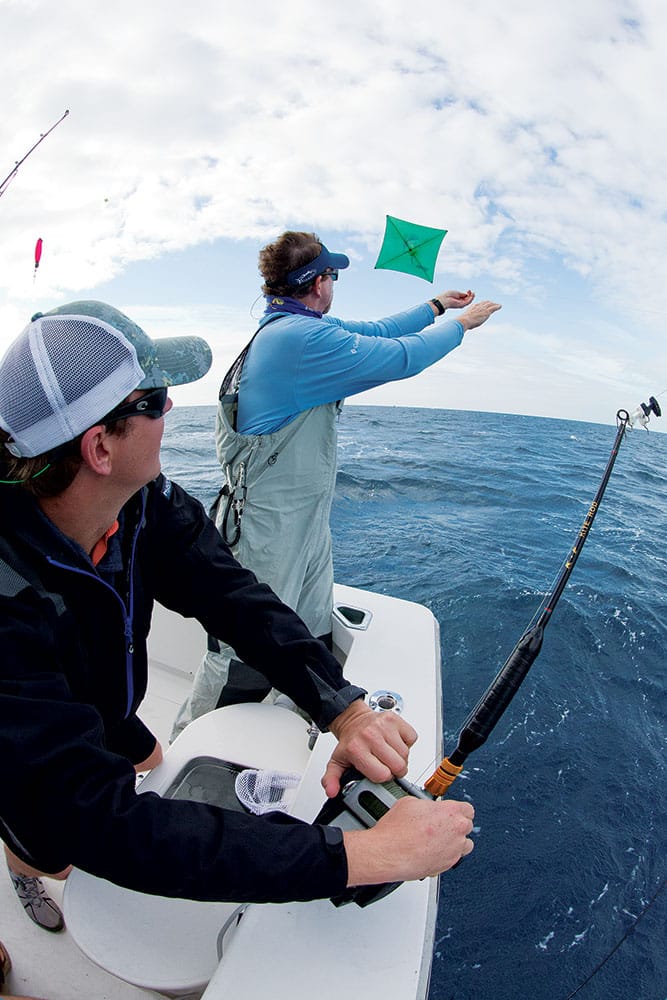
[(361, 803), (4, 184), (491, 706)]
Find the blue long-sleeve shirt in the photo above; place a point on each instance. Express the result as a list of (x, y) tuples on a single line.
[(301, 361)]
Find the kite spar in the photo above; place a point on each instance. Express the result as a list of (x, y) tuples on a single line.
[(4, 184), (410, 248)]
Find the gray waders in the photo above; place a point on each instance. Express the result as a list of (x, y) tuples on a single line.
[(273, 511)]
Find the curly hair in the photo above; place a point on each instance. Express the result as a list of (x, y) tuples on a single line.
[(289, 252)]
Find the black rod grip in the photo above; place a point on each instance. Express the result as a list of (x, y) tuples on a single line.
[(499, 693)]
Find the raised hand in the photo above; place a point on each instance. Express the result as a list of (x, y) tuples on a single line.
[(478, 314), (455, 300)]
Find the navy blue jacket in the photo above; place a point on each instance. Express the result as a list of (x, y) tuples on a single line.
[(73, 671)]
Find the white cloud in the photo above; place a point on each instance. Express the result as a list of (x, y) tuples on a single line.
[(225, 330), (532, 131)]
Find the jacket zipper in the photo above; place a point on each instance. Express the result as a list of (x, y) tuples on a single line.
[(127, 611)]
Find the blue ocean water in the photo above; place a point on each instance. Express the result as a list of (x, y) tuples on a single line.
[(472, 514)]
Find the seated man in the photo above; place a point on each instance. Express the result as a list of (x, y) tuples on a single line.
[(92, 535)]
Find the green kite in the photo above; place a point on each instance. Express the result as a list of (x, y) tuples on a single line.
[(410, 248)]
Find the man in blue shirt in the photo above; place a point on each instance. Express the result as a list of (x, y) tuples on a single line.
[(276, 434)]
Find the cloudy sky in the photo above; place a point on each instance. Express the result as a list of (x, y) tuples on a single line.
[(534, 132)]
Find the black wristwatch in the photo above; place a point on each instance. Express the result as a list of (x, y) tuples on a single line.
[(438, 305)]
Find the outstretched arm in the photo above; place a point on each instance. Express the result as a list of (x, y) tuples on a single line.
[(471, 318)]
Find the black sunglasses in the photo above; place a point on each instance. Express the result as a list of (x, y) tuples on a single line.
[(330, 274), (152, 404)]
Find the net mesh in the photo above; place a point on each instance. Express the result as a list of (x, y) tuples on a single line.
[(266, 791)]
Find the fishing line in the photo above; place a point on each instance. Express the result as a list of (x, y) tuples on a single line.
[(620, 942), (428, 769)]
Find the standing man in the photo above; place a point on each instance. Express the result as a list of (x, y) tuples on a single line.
[(276, 435), (92, 535)]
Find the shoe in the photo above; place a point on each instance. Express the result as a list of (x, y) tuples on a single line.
[(37, 904)]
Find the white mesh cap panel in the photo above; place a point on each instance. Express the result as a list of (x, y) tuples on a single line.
[(66, 373), (66, 345), (24, 381)]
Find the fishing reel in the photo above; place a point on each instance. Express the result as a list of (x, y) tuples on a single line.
[(359, 805), (642, 414)]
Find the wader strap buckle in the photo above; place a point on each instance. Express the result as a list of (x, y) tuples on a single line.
[(236, 493)]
